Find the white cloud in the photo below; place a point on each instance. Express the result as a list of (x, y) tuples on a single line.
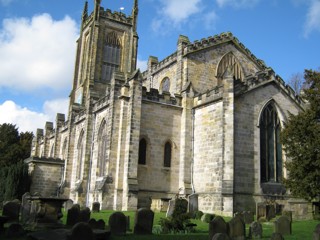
[(37, 53), (28, 120), (313, 18), (237, 3), (210, 20)]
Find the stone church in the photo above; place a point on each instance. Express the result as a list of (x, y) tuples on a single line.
[(205, 120)]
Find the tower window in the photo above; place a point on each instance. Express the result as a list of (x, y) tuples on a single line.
[(167, 154), (270, 146), (142, 151), (165, 85)]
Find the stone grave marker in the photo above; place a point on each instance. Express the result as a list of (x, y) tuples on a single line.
[(288, 214), (25, 208), (96, 207), (143, 221), (255, 230), (84, 215), (217, 225), (271, 212), (73, 215), (276, 236), (237, 228), (12, 211), (261, 210), (248, 217), (68, 204), (282, 225), (316, 233), (171, 207), (193, 203), (220, 236), (81, 231), (118, 223)]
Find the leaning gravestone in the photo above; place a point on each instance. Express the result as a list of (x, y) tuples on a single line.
[(81, 231), (73, 215), (217, 225), (118, 223), (237, 228), (220, 236), (12, 211), (25, 208), (255, 230), (282, 225), (143, 221), (84, 215), (171, 207)]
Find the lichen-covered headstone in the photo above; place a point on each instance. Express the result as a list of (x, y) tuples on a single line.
[(237, 228), (217, 225), (283, 226), (255, 230)]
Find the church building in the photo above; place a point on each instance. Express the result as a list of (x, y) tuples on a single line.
[(205, 120)]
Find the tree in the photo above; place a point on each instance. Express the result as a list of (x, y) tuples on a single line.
[(296, 82), (301, 141)]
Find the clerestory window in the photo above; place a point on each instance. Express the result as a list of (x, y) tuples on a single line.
[(167, 154), (270, 146), (142, 151)]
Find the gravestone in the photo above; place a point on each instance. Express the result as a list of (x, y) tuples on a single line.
[(171, 208), (128, 223), (96, 207), (276, 236), (288, 214), (94, 224), (35, 208), (248, 217), (261, 210), (84, 215), (81, 231), (118, 223), (143, 221), (68, 204), (316, 233), (271, 212), (12, 211), (220, 236), (101, 224), (282, 225), (15, 230), (237, 229), (193, 203), (73, 215), (217, 225), (25, 208), (255, 230)]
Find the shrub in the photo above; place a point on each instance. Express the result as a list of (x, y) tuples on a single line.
[(198, 214), (207, 217)]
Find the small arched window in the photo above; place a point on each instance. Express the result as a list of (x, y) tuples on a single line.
[(142, 151), (64, 152), (165, 85), (167, 154), (52, 151), (270, 146)]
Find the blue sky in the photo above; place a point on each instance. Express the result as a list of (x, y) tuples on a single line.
[(38, 41)]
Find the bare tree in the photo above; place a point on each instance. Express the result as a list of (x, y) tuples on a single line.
[(297, 82)]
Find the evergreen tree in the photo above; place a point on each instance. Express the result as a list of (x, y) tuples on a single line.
[(301, 140)]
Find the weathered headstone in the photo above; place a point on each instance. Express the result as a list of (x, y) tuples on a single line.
[(316, 233), (248, 217), (271, 211), (220, 236), (193, 203), (282, 225), (12, 211), (288, 214), (84, 215), (101, 224), (15, 230), (237, 228), (118, 223), (81, 231), (73, 215), (217, 225), (67, 205), (25, 208), (171, 207), (143, 221), (261, 210), (255, 230), (96, 207), (276, 236)]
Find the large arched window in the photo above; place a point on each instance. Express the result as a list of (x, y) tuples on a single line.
[(270, 146), (167, 154), (102, 148), (80, 148), (111, 56), (142, 151)]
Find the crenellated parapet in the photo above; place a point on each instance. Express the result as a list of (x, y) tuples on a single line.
[(102, 103), (220, 39), (212, 95), (164, 63), (164, 97), (116, 16)]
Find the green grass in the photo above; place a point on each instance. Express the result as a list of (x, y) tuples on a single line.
[(301, 230)]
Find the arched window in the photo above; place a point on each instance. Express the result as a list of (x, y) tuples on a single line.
[(111, 56), (52, 151), (102, 148), (142, 151), (270, 146), (64, 152), (165, 85), (80, 148), (167, 154)]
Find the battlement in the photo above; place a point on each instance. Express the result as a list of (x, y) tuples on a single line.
[(219, 39), (164, 63), (116, 16), (209, 96), (165, 98), (101, 103)]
